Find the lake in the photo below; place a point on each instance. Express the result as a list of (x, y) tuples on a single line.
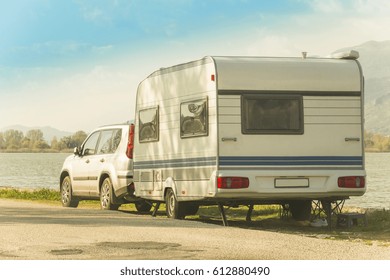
[(41, 170)]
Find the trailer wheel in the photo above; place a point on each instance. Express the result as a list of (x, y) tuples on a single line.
[(142, 206), (191, 208), (175, 209), (300, 210)]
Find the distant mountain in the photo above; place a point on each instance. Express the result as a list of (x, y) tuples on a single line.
[(375, 61), (48, 132)]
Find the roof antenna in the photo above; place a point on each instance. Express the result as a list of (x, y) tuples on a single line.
[(304, 55)]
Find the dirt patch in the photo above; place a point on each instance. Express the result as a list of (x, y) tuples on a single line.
[(66, 252), (148, 245)]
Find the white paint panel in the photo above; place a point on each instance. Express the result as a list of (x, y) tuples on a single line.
[(325, 111), (287, 74)]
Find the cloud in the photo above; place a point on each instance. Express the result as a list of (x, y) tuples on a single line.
[(105, 12), (73, 99), (325, 27), (328, 6), (349, 7), (272, 45), (55, 54)]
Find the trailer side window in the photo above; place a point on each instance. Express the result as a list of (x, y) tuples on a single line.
[(148, 125), (194, 118), (272, 114)]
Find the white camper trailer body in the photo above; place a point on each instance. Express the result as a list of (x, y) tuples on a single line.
[(250, 129)]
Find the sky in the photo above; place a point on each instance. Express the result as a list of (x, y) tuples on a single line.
[(76, 64)]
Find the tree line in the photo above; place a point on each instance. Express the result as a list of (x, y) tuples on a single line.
[(15, 141), (375, 142)]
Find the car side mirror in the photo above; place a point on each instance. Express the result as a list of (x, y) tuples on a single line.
[(76, 151)]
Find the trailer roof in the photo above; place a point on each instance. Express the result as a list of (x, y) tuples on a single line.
[(342, 74), (288, 74)]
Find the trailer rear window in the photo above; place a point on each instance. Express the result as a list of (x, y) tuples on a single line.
[(148, 125), (272, 114)]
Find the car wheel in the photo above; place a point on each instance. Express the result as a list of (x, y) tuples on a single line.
[(175, 209), (67, 198), (106, 194), (142, 206)]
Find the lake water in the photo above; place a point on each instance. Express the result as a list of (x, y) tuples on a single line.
[(29, 170)]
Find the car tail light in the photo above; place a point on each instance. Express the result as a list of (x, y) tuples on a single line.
[(130, 142), (232, 182), (351, 182)]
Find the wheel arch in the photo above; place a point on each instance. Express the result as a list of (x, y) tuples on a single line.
[(64, 174), (103, 177), (170, 184)]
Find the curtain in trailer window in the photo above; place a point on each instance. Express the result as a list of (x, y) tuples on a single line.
[(272, 114), (194, 118), (148, 125)]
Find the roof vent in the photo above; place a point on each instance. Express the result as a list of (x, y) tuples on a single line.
[(352, 54)]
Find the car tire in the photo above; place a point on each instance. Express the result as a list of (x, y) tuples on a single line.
[(67, 198), (174, 209), (106, 196)]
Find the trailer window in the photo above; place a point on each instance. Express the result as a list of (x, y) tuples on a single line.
[(272, 114), (148, 125), (194, 118)]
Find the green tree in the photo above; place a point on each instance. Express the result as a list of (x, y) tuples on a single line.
[(65, 142), (13, 139), (376, 142), (2, 142), (54, 144), (36, 140), (78, 138)]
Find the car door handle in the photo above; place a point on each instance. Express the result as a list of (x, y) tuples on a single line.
[(102, 160), (87, 161)]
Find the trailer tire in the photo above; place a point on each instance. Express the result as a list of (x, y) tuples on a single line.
[(191, 208), (174, 209), (142, 206), (300, 210)]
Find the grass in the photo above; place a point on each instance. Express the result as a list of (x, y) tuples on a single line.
[(35, 195), (264, 217)]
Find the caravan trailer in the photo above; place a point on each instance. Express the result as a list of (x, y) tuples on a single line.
[(250, 130)]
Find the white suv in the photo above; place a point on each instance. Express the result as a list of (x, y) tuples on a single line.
[(102, 168)]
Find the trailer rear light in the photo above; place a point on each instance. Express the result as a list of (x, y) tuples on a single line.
[(351, 182), (232, 182), (130, 142)]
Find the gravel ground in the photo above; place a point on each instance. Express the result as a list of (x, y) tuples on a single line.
[(33, 231)]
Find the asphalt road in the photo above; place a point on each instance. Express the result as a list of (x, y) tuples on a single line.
[(32, 231)]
